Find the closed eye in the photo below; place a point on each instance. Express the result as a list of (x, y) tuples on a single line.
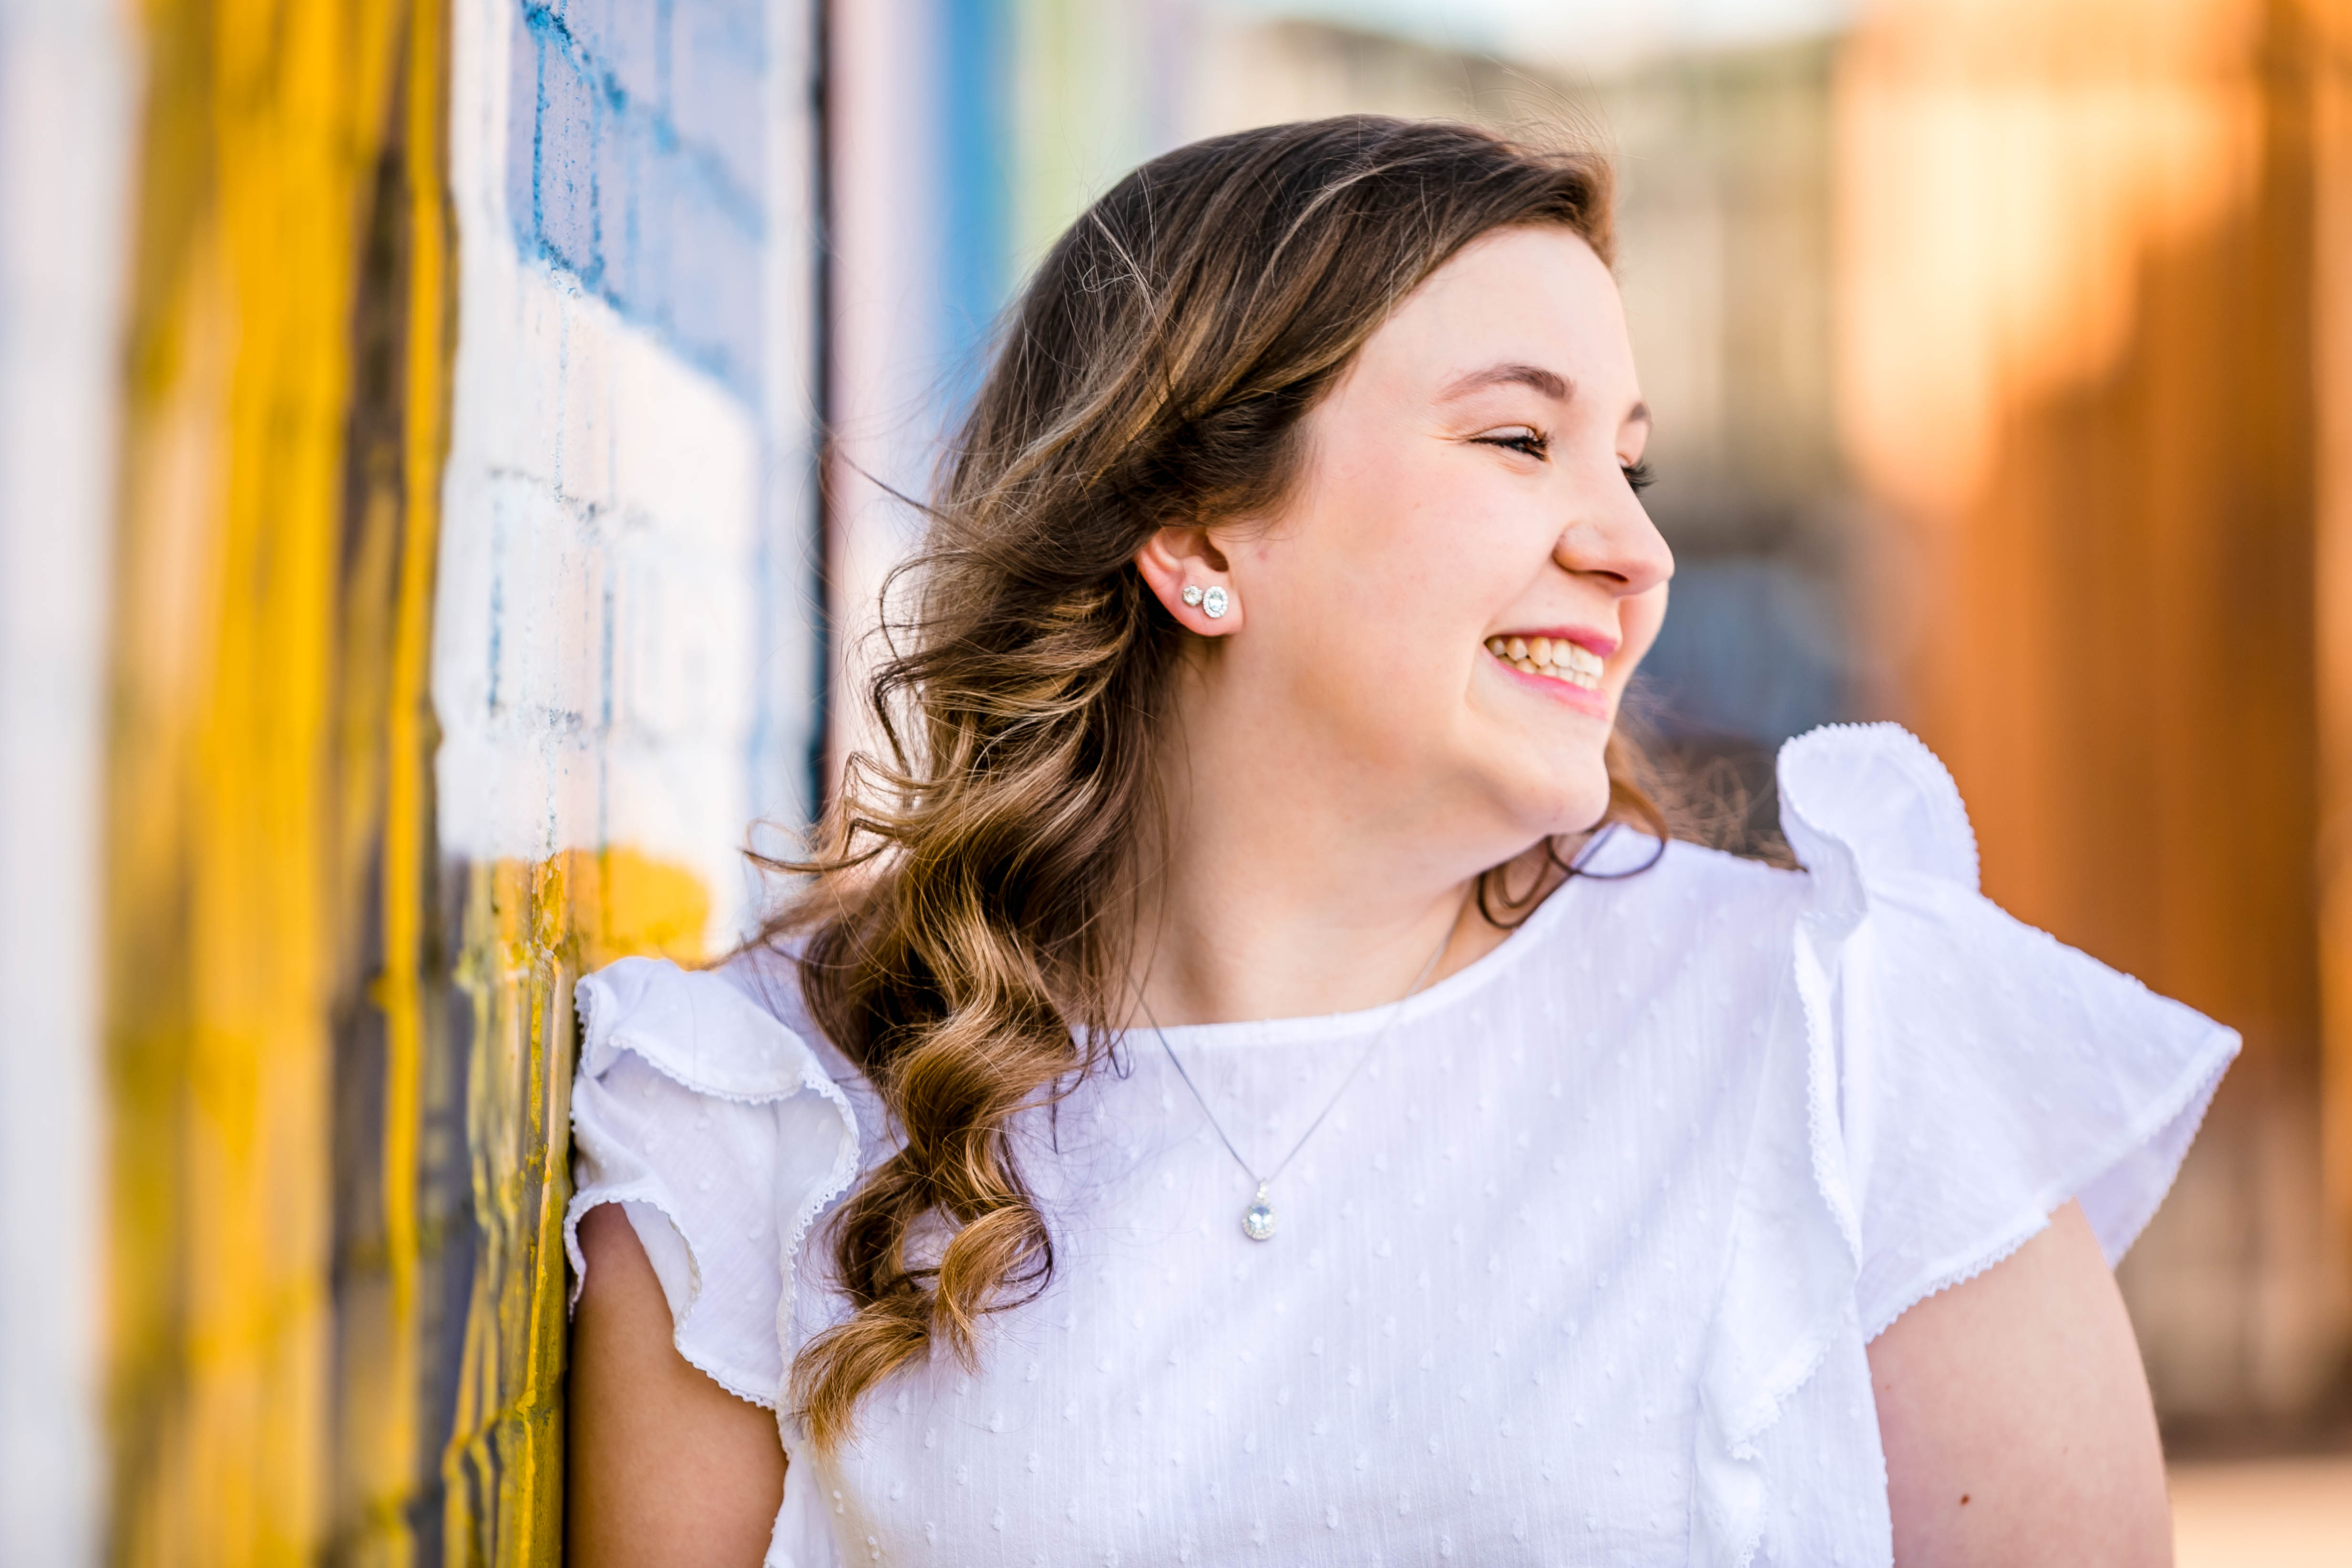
[(1525, 442), (1638, 475)]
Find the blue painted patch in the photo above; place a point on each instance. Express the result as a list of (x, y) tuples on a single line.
[(975, 138), (636, 162)]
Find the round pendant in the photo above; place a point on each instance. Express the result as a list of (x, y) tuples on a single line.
[(1257, 1220)]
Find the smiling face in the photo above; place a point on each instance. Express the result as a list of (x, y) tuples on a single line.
[(1461, 580)]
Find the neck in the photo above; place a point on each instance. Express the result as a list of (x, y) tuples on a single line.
[(1290, 883)]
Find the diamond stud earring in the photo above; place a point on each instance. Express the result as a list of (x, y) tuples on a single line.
[(1191, 594), (1213, 602)]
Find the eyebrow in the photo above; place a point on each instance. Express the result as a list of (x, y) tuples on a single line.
[(1550, 382)]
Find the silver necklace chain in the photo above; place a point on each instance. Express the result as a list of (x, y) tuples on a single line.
[(1258, 1221)]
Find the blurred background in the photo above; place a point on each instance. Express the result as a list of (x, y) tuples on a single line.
[(446, 451)]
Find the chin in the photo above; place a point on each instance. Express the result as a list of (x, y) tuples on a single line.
[(1587, 814), (1551, 806)]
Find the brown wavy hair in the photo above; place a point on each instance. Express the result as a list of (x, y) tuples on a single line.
[(960, 934)]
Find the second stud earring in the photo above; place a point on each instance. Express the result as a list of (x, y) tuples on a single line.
[(1213, 602), (1191, 594)]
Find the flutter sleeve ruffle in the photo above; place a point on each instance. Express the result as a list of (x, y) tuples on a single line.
[(720, 1131), (1963, 1075)]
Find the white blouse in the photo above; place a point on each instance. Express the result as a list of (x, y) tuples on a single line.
[(1579, 1270)]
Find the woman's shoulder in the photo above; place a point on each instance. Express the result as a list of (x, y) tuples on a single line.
[(729, 1032), (1940, 1079), (739, 1029), (1983, 1071), (1892, 906), (707, 1109)]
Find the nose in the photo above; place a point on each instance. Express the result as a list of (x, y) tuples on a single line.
[(1612, 544)]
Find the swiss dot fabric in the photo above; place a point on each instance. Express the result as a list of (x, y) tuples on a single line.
[(1579, 1271)]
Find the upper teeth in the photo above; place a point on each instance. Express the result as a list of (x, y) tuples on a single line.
[(1555, 656)]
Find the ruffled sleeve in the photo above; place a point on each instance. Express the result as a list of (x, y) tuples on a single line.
[(718, 1129), (1962, 1076), (1986, 1072)]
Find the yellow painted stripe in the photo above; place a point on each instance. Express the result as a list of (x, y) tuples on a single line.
[(263, 123)]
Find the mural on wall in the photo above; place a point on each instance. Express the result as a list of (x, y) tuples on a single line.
[(465, 514)]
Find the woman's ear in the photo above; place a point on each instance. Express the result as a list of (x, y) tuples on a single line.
[(1185, 570)]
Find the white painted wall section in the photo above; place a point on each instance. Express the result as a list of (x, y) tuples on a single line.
[(597, 636)]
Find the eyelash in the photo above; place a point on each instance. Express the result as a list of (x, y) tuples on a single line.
[(1535, 445)]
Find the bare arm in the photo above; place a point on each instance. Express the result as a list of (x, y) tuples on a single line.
[(2016, 1417), (665, 1466)]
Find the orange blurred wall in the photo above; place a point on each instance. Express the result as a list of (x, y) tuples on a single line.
[(2091, 260)]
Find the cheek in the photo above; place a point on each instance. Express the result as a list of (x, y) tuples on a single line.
[(1395, 655), (1381, 651), (1387, 571)]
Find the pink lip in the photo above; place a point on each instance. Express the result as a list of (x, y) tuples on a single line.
[(1582, 699), (1585, 637)]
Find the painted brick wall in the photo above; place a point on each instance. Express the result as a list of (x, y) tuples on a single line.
[(326, 767), (627, 472), (638, 164), (622, 477)]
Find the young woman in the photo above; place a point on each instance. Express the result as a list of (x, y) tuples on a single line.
[(1250, 1080)]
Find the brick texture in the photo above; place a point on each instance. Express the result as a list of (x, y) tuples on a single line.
[(635, 164)]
